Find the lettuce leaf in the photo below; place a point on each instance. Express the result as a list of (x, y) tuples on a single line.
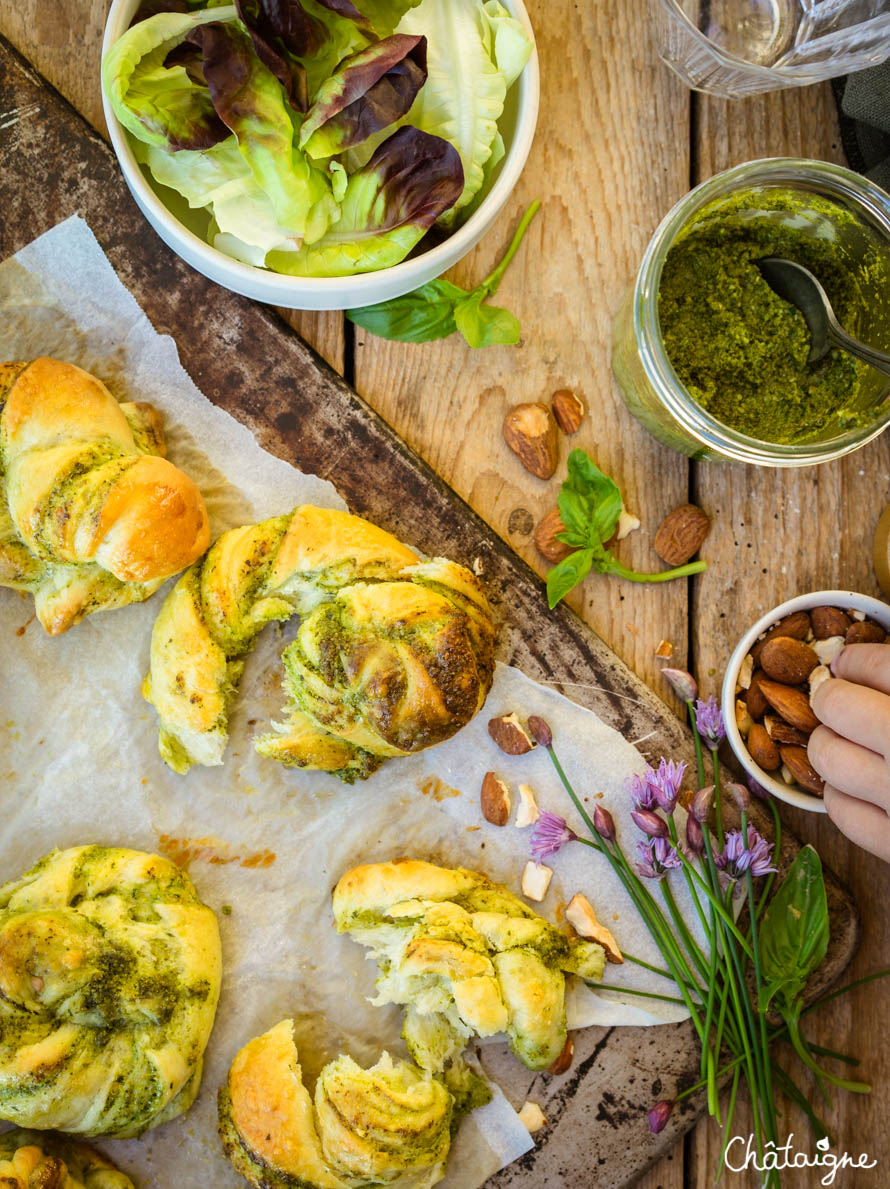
[(287, 36), (160, 105), (387, 208), (474, 53), (369, 91), (384, 15), (250, 101)]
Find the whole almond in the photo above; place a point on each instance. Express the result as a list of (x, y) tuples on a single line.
[(494, 800), (681, 534), (798, 764), (530, 432), (782, 732), (829, 621), (545, 537), (791, 704), (762, 749), (797, 626), (757, 703), (568, 409), (788, 660), (865, 633)]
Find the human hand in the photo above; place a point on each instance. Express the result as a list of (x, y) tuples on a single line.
[(850, 750)]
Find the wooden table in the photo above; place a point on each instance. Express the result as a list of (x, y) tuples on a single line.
[(619, 141)]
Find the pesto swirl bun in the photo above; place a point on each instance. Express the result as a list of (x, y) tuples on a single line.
[(109, 978), (37, 1160), (392, 656), (92, 515), (388, 1125), (465, 956)]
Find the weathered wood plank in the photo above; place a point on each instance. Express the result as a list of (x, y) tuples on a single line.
[(777, 534)]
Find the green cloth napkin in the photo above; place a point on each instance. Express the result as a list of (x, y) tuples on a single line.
[(864, 107)]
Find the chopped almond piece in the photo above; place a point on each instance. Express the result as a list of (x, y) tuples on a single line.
[(527, 813), (582, 918), (536, 880), (532, 1117)]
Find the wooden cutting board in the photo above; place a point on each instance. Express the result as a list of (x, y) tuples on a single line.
[(245, 359)]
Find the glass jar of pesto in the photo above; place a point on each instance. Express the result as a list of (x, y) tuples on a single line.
[(713, 363)]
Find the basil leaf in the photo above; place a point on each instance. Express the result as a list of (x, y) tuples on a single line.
[(566, 576), (418, 317), (601, 492), (485, 325), (794, 932), (576, 513)]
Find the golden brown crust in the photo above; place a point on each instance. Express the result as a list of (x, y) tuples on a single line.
[(83, 489)]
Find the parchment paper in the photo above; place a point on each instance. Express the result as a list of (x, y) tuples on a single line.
[(79, 762)]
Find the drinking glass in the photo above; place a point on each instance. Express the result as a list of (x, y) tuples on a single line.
[(743, 47)]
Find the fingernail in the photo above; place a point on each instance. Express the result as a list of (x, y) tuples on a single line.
[(835, 659)]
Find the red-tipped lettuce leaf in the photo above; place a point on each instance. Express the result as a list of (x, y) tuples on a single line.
[(166, 106), (388, 206), (249, 100), (369, 91)]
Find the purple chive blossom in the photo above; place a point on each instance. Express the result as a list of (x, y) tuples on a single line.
[(658, 1116), (736, 858), (702, 803), (709, 722), (656, 858), (682, 683), (540, 730), (641, 790), (550, 835), (740, 795), (650, 823), (666, 783), (604, 823), (695, 839)]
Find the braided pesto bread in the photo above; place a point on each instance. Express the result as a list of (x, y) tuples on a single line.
[(109, 978), (392, 655), (92, 516), (37, 1160), (465, 956), (388, 1125)]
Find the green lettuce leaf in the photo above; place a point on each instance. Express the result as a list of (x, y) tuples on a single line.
[(160, 105), (387, 208), (473, 54), (384, 15), (369, 91)]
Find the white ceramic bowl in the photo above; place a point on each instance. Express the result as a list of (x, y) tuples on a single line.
[(517, 126), (847, 600)]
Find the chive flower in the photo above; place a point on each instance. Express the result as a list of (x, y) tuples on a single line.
[(656, 858), (650, 823), (709, 721), (604, 823), (659, 1115), (695, 839), (666, 784), (739, 857), (540, 730), (641, 789), (682, 683), (550, 835)]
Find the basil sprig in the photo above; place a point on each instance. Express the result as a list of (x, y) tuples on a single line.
[(590, 506), (439, 308)]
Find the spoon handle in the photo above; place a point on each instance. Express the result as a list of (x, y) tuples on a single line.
[(877, 359)]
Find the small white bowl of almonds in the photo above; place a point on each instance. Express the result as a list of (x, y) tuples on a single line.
[(770, 679)]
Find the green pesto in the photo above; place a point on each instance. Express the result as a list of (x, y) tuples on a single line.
[(739, 349)]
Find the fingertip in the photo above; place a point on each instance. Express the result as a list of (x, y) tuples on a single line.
[(837, 664)]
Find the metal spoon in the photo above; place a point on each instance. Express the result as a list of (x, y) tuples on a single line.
[(798, 286)]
